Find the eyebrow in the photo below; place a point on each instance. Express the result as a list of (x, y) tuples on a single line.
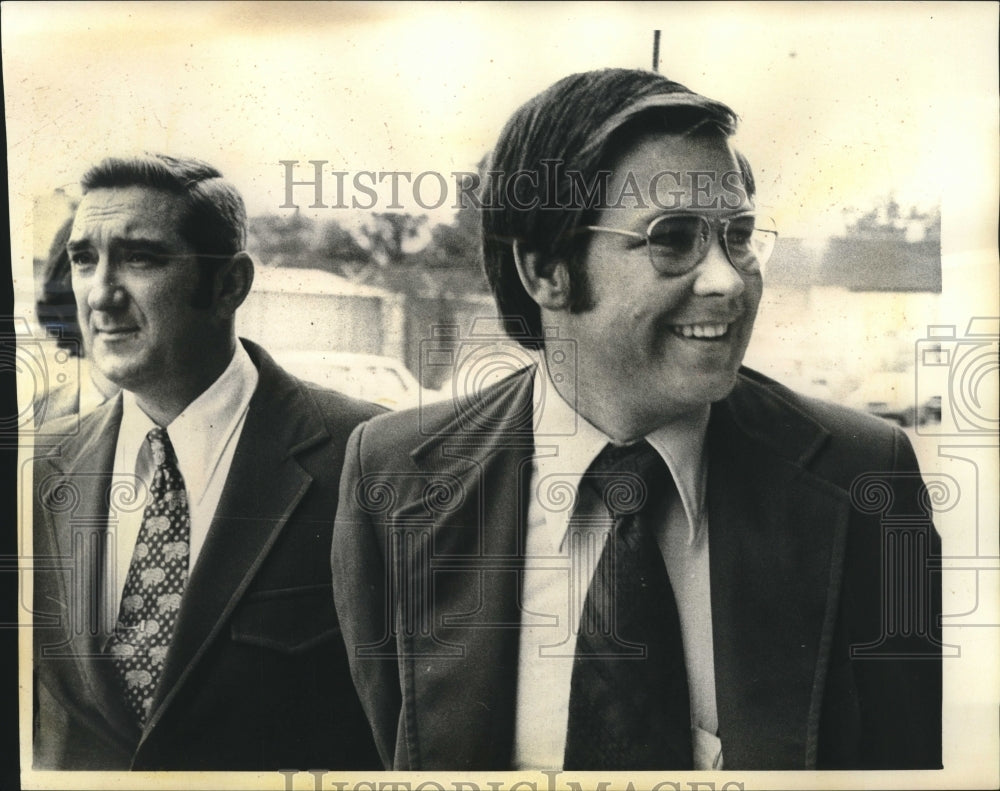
[(643, 222), (148, 245)]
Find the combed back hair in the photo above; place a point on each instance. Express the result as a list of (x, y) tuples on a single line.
[(215, 219), (584, 123)]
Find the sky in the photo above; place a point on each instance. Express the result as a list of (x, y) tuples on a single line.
[(842, 104)]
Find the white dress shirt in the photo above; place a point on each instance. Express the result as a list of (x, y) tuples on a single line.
[(204, 437), (558, 573)]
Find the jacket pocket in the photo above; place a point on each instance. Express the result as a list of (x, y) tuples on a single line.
[(290, 620)]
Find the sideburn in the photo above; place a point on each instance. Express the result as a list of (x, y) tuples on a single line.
[(202, 297), (581, 298)]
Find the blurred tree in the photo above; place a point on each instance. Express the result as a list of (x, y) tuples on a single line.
[(456, 245), (297, 241), (453, 257), (929, 223), (282, 239), (886, 220), (885, 249), (338, 251), (386, 234), (397, 251)]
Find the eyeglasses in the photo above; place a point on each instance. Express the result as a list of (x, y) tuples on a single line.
[(677, 243)]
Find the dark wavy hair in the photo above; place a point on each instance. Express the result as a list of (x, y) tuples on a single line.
[(56, 306), (215, 217), (583, 122)]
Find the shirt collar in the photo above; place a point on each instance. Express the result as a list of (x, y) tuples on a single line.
[(201, 432), (566, 444), (681, 443)]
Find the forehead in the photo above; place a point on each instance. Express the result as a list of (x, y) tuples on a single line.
[(666, 172), (128, 212)]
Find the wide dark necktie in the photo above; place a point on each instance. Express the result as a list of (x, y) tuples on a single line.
[(155, 582), (629, 706)]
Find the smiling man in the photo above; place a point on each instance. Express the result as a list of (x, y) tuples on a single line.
[(183, 611), (637, 555)]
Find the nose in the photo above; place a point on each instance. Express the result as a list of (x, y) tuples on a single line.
[(716, 276), (104, 292)]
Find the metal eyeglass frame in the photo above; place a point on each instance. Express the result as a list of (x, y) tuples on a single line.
[(717, 225)]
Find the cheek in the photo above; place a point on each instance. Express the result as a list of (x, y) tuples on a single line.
[(80, 286), (630, 329), (159, 299), (753, 292), (80, 298)]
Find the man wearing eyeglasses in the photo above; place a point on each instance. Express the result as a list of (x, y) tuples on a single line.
[(636, 555)]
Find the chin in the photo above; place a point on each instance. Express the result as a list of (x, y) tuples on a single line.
[(722, 386), (121, 373), (705, 390)]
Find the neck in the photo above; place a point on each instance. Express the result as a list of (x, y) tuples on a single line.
[(589, 401), (621, 415), (105, 386), (163, 402)]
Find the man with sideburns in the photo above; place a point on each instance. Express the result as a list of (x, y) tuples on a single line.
[(183, 615), (636, 555)]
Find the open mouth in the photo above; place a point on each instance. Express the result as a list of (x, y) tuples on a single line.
[(707, 332)]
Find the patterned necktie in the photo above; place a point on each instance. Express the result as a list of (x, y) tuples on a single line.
[(629, 707), (155, 582)]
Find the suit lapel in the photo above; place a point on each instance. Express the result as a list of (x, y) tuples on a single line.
[(776, 538), (76, 493), (460, 678), (264, 485)]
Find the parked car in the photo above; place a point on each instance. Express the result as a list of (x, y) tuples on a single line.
[(809, 383), (892, 395), (932, 409), (372, 377)]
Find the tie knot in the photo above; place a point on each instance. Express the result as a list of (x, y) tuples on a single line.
[(628, 476), (162, 450)]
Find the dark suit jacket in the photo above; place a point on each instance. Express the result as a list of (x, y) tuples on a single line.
[(256, 676), (811, 506)]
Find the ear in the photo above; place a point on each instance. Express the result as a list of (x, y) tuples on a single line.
[(546, 283), (232, 283)]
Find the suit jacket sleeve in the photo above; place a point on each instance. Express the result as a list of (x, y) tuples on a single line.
[(362, 595), (825, 600), (891, 606)]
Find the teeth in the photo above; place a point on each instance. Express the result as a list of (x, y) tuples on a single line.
[(701, 330)]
